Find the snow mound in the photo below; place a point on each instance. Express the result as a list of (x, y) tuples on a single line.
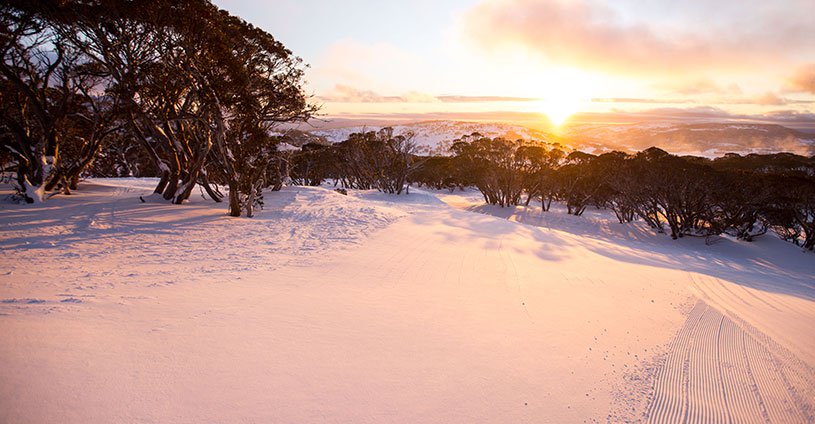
[(138, 240), (414, 198)]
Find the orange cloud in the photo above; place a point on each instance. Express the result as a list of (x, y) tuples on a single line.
[(701, 86), (770, 98), (803, 80)]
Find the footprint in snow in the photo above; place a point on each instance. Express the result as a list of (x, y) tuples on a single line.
[(71, 300), (27, 301)]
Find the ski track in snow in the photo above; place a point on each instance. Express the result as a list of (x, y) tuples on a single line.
[(720, 370)]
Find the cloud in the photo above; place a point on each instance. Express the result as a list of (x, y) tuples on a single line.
[(592, 34), (639, 100), (699, 86), (380, 67), (803, 80), (771, 98), (346, 94), (475, 99)]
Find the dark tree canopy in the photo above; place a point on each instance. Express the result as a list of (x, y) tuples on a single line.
[(197, 88)]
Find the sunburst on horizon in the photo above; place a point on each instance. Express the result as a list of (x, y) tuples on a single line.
[(564, 94)]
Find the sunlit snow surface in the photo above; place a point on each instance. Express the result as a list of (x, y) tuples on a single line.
[(374, 308)]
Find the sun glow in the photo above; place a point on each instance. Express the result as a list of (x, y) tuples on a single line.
[(565, 93), (559, 109)]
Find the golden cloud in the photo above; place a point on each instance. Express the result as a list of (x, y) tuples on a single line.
[(803, 80)]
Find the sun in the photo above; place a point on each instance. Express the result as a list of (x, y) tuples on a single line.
[(559, 108), (564, 93)]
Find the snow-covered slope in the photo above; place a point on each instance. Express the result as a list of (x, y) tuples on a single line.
[(106, 219), (376, 308), (742, 354)]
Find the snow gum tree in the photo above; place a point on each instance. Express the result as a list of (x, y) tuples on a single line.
[(312, 164), (537, 172), (614, 179), (198, 89), (52, 123), (261, 89), (440, 172), (578, 182), (377, 159), (791, 210), (497, 167)]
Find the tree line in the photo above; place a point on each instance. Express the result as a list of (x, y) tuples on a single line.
[(187, 93), (743, 196)]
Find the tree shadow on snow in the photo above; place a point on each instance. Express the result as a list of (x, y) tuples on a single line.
[(767, 264)]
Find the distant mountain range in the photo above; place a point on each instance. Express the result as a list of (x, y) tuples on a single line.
[(708, 139), (437, 136)]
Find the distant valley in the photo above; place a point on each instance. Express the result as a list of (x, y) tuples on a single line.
[(699, 139)]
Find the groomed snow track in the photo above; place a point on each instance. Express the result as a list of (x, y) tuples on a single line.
[(749, 379)]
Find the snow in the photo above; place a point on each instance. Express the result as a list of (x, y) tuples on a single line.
[(35, 193), (286, 147), (373, 308)]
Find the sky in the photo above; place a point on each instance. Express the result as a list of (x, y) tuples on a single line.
[(552, 61)]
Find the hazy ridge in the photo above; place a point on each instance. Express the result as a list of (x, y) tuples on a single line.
[(702, 139)]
